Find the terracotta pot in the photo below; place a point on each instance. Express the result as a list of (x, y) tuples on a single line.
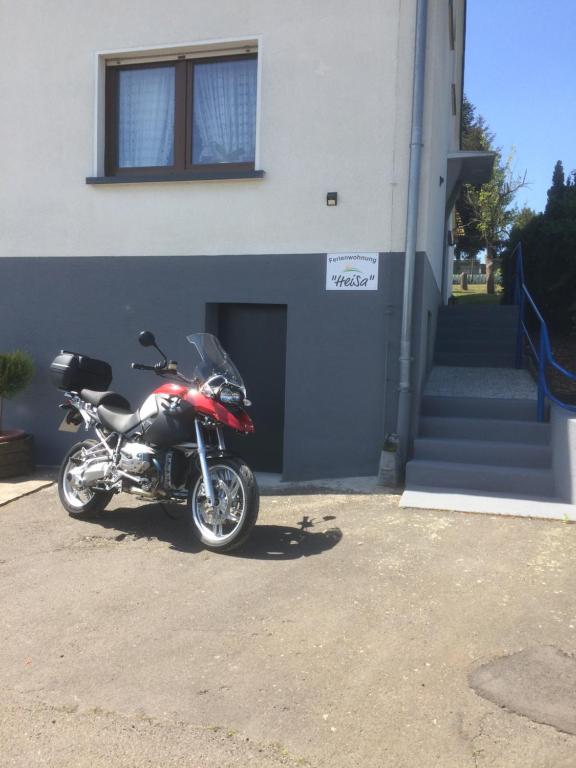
[(12, 434), (16, 454)]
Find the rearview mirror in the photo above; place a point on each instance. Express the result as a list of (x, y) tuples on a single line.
[(146, 339)]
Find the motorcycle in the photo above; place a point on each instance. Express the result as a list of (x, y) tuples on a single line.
[(170, 449)]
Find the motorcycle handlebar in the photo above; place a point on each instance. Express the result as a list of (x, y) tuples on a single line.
[(165, 367)]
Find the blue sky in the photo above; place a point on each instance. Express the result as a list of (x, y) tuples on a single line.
[(520, 73)]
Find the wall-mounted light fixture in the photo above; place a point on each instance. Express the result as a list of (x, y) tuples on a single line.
[(332, 198)]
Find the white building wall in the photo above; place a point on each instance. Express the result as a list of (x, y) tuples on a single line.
[(336, 92), (442, 127)]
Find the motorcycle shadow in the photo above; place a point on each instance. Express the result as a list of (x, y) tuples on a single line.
[(283, 542), (170, 524), (149, 522)]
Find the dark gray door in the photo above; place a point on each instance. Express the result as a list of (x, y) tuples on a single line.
[(254, 335)]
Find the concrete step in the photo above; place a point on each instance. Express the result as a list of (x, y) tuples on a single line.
[(485, 452), (442, 349), (453, 317), (479, 359), (465, 344), (494, 430), (477, 330), (476, 334), (468, 319), (525, 481), (479, 407), (501, 310), (461, 500), (476, 324)]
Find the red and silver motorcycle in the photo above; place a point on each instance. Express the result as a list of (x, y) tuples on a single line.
[(170, 449)]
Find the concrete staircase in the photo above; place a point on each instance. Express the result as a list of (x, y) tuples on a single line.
[(482, 444), (479, 335), (479, 447)]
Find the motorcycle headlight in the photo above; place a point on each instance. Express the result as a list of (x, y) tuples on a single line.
[(230, 396)]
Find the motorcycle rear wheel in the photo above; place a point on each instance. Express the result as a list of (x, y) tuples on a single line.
[(79, 502), (238, 501)]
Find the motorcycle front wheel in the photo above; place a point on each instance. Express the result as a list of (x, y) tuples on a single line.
[(237, 502)]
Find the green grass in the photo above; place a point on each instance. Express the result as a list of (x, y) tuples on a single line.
[(476, 294)]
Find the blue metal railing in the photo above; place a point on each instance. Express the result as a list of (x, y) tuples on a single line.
[(541, 349)]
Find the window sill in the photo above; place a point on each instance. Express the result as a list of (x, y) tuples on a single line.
[(163, 177)]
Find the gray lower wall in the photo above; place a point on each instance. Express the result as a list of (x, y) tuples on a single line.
[(427, 299), (342, 347)]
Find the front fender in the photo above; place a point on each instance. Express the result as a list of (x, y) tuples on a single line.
[(237, 420), (213, 452)]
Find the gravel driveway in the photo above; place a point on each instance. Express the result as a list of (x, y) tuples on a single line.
[(343, 635)]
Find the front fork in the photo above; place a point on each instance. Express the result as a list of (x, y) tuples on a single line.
[(208, 484)]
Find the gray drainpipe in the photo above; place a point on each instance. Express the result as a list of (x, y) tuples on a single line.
[(405, 392)]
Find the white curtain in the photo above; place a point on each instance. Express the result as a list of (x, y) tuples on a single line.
[(146, 117), (224, 112)]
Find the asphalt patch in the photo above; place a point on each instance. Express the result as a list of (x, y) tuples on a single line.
[(539, 683)]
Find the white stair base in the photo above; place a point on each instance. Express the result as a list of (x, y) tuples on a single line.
[(461, 500)]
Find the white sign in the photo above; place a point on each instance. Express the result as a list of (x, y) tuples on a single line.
[(351, 271)]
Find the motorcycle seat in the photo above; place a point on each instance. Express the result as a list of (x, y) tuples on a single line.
[(118, 419), (110, 399)]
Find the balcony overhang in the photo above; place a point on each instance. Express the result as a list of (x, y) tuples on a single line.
[(467, 168)]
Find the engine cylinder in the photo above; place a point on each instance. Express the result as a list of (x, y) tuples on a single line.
[(136, 458)]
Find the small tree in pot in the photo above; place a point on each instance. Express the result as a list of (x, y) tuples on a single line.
[(16, 371)]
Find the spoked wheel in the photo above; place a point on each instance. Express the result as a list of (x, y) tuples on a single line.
[(78, 500), (237, 500)]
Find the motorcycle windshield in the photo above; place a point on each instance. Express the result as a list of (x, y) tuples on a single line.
[(212, 365)]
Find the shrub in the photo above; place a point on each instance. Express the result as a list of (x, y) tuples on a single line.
[(549, 247), (16, 371)]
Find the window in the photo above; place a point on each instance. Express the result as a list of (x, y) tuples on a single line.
[(190, 118), (451, 25)]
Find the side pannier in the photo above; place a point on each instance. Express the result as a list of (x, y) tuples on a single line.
[(73, 372)]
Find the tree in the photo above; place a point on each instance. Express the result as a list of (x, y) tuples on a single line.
[(557, 178), (549, 248), (486, 214), (492, 214), (522, 218), (476, 137), (557, 190)]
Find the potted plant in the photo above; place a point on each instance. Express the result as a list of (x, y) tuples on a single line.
[(16, 446)]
